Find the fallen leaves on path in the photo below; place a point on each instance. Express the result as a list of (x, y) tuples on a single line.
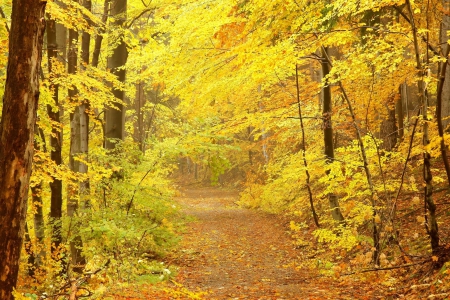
[(235, 253)]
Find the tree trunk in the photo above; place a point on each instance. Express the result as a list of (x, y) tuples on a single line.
[(399, 111), (38, 216), (427, 176), (140, 126), (99, 37), (55, 146), (445, 28), (77, 258), (328, 134), (29, 251), (39, 224), (303, 146), (388, 128), (114, 118), (84, 118), (443, 92), (17, 133), (375, 232)]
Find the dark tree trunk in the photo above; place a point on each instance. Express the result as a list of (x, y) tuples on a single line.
[(38, 216), (328, 134), (388, 129), (29, 251), (17, 133), (55, 146), (114, 118), (139, 125), (303, 146), (99, 37), (84, 117)]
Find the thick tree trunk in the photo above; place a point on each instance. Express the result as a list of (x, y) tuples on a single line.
[(445, 28), (17, 133), (439, 114), (328, 134), (115, 118)]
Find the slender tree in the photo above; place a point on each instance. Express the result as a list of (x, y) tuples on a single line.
[(303, 146), (84, 115)]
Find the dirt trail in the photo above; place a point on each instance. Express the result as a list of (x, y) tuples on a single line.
[(236, 253)]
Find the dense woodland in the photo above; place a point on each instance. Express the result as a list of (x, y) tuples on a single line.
[(334, 114)]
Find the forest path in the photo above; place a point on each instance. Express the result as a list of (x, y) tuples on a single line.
[(236, 253)]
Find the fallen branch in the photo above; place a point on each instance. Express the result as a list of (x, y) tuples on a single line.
[(74, 285)]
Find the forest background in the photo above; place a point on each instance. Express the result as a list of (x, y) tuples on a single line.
[(334, 113)]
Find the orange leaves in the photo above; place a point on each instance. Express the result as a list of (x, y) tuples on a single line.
[(229, 35)]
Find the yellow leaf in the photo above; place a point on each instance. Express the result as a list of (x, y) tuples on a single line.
[(377, 219), (435, 258)]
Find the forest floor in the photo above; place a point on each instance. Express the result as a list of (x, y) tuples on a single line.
[(236, 253), (228, 252)]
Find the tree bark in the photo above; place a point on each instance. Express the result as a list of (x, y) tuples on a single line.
[(17, 133), (445, 28), (114, 118), (76, 245), (139, 125), (303, 146), (427, 176), (399, 111), (328, 133), (55, 145), (99, 37), (375, 232), (38, 216), (84, 117), (388, 128), (439, 104)]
